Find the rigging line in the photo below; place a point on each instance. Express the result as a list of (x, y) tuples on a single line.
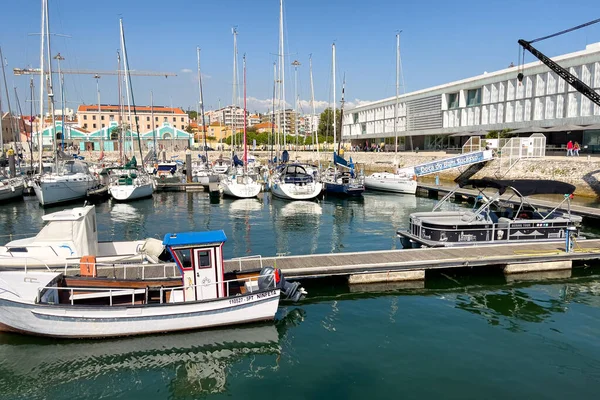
[(566, 31)]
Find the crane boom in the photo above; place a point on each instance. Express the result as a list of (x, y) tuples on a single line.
[(37, 71), (563, 73)]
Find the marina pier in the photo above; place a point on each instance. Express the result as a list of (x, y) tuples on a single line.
[(412, 264)]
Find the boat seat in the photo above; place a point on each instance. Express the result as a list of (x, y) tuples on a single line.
[(101, 294)]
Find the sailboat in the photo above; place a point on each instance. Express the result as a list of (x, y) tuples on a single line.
[(241, 186), (70, 179), (128, 182), (291, 181), (341, 180), (401, 181), (10, 188), (201, 171)]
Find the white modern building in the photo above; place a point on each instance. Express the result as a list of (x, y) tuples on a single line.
[(446, 115), (227, 116)]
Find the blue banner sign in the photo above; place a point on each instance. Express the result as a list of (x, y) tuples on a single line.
[(453, 162)]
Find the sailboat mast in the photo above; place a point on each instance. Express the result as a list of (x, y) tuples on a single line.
[(11, 119), (42, 77), (342, 112), (245, 142), (126, 70), (202, 105), (312, 121), (121, 111), (282, 70), (397, 94), (50, 86), (273, 115), (334, 104), (296, 63), (233, 94), (153, 127)]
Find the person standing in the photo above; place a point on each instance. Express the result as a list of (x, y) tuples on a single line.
[(570, 148), (576, 149)]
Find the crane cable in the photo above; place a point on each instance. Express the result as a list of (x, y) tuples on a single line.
[(565, 31)]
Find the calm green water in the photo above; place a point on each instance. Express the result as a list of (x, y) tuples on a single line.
[(460, 336)]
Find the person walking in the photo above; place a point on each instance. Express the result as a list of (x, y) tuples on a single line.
[(576, 149), (570, 148)]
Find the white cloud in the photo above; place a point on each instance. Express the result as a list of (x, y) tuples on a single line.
[(265, 105), (356, 103), (186, 71)]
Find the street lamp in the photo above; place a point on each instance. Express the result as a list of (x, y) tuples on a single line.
[(97, 77)]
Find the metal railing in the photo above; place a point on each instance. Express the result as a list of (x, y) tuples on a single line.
[(240, 259), (118, 292), (125, 268)]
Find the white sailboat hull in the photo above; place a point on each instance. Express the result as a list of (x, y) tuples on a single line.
[(290, 191), (131, 192), (11, 191), (55, 189), (240, 190), (66, 321), (387, 182)]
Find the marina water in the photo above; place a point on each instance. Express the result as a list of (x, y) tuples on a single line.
[(460, 335)]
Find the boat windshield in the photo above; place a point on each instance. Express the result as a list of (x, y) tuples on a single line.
[(74, 167)]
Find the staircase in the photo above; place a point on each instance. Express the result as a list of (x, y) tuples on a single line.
[(469, 172)]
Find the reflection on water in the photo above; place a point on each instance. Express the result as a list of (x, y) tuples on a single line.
[(124, 212), (195, 363)]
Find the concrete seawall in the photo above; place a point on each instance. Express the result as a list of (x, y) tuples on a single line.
[(583, 171)]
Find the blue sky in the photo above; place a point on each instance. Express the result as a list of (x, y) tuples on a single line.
[(442, 41)]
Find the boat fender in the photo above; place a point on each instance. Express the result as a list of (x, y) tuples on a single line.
[(87, 266)]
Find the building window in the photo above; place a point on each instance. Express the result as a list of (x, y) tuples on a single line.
[(84, 126), (156, 119), (165, 119), (93, 126), (112, 117), (474, 97), (147, 118), (85, 117), (181, 119), (355, 118), (174, 119), (147, 126), (453, 100), (94, 117), (102, 117)]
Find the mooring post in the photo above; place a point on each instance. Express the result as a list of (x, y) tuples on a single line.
[(11, 163), (188, 165)]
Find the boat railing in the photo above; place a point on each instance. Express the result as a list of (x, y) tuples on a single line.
[(110, 293), (254, 257), (505, 226), (26, 260), (249, 288), (131, 270)]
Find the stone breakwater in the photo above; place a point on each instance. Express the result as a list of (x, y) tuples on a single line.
[(583, 171)]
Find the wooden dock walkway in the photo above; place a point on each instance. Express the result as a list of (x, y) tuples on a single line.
[(420, 260), (433, 190)]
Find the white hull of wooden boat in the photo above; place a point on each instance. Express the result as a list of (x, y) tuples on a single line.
[(387, 182), (64, 321)]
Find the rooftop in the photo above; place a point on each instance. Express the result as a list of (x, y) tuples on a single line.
[(116, 109)]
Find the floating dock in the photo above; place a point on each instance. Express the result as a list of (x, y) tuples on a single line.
[(411, 264), (437, 191)]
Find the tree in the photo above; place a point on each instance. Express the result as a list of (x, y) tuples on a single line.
[(192, 114), (188, 129), (504, 133), (326, 124)]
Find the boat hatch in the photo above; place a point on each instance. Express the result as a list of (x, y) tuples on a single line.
[(199, 256)]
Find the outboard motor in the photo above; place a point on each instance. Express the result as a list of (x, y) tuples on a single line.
[(291, 290)]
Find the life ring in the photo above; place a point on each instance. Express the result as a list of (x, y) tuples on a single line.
[(162, 178)]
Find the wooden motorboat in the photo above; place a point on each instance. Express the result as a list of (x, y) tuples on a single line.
[(89, 305)]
